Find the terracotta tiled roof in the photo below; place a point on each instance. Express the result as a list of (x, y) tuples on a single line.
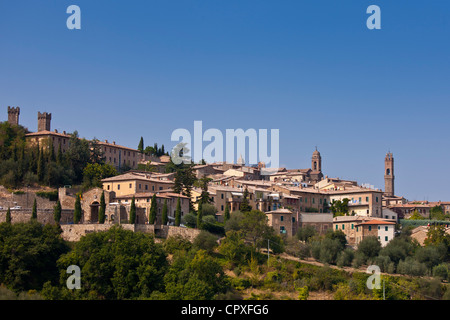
[(47, 133), (375, 222)]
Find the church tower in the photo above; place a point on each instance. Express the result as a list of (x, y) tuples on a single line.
[(316, 161), (316, 174), (389, 175)]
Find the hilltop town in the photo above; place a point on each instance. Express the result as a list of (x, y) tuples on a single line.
[(290, 198), (86, 186)]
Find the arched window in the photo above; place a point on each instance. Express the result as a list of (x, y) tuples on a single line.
[(388, 171)]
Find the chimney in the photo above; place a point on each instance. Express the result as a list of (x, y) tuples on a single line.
[(106, 141), (114, 143)]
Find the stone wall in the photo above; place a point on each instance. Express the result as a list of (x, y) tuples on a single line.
[(44, 216), (74, 232), (8, 199)]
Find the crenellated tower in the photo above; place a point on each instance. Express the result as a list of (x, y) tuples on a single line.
[(13, 115), (44, 120)]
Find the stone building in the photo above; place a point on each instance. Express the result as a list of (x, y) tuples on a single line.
[(135, 182), (282, 221), (383, 230), (322, 222), (356, 228)]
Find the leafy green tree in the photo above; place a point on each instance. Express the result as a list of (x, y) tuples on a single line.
[(438, 237), (306, 233), (428, 255), (233, 247), (153, 207), (78, 156), (178, 213), (369, 248), (165, 218), (102, 209), (28, 254), (205, 241), (116, 264), (327, 250), (194, 278), (398, 249), (57, 212), (97, 155), (436, 213), (132, 219), (416, 216), (93, 173), (339, 207), (77, 211), (34, 210)]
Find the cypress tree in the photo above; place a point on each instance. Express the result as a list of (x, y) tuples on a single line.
[(8, 216), (57, 212), (165, 218), (245, 206), (51, 157), (152, 217), (133, 211), (34, 211), (77, 211), (226, 215), (41, 166), (59, 156), (178, 213), (200, 216), (141, 145), (101, 210)]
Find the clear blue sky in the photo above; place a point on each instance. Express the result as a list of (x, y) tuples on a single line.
[(309, 68)]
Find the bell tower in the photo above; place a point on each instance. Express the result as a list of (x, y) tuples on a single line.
[(389, 174), (316, 161)]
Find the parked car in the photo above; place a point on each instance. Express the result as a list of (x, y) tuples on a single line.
[(16, 208)]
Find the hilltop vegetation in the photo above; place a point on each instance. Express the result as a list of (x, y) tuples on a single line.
[(120, 264)]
